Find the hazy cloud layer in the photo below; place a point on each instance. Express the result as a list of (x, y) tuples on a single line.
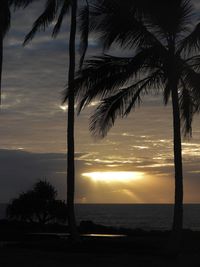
[(21, 169)]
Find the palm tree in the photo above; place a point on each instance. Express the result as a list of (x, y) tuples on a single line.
[(57, 10), (163, 50), (4, 28), (70, 129), (5, 19)]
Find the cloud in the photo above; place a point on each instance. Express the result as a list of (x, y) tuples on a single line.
[(21, 169)]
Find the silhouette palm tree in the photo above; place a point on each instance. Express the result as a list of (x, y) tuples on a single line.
[(4, 28), (57, 10), (5, 19), (164, 56)]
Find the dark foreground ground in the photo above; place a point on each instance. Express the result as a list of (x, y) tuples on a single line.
[(137, 248), (36, 258)]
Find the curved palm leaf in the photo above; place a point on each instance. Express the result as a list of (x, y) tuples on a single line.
[(194, 63), (121, 103), (57, 10), (131, 33), (187, 108), (63, 12), (192, 42), (84, 20), (103, 75), (157, 15), (21, 3), (45, 19), (4, 28)]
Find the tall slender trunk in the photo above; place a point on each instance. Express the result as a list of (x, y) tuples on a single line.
[(178, 207), (70, 127), (1, 65)]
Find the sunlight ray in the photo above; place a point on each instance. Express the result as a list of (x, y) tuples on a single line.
[(110, 177)]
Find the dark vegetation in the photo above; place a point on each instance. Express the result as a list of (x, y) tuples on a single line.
[(38, 205)]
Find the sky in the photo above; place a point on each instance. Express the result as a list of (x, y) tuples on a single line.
[(33, 131)]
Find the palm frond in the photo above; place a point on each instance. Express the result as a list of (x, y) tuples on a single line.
[(157, 14), (120, 23), (44, 20), (4, 28), (187, 107), (84, 19), (63, 12), (153, 83), (103, 75), (120, 104), (190, 43), (167, 91), (21, 3), (191, 80), (110, 108), (194, 63)]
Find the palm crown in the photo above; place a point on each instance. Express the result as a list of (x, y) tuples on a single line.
[(164, 56), (5, 19), (56, 10)]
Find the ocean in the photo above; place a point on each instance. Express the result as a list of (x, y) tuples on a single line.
[(143, 216)]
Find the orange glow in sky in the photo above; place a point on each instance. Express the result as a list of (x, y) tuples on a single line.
[(114, 177)]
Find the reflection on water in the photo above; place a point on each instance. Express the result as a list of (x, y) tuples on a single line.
[(66, 235), (103, 235)]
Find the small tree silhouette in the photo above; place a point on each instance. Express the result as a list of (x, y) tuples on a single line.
[(38, 205)]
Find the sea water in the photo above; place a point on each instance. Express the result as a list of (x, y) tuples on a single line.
[(143, 216)]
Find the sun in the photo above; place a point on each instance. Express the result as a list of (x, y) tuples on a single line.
[(114, 177)]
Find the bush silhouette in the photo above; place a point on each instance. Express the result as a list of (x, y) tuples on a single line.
[(38, 205)]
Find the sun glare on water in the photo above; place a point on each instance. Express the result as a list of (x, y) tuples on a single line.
[(113, 177)]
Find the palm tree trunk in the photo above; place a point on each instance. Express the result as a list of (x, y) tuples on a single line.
[(178, 207), (70, 127), (1, 65)]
